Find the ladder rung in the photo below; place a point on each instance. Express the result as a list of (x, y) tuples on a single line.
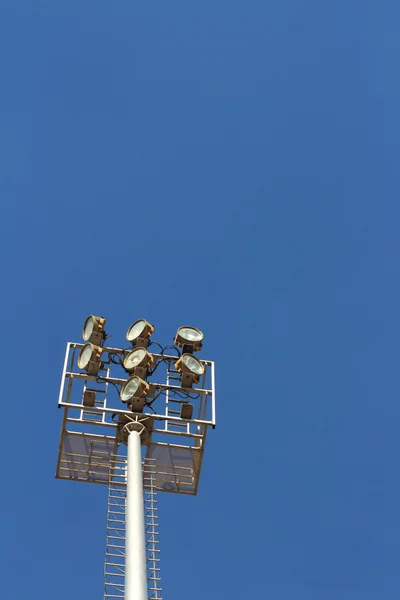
[(114, 565)]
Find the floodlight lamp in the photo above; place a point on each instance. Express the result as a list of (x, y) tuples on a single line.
[(138, 358), (190, 365), (135, 387), (191, 337), (89, 358), (140, 330), (93, 330)]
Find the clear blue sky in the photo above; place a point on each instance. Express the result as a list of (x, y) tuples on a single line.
[(231, 165)]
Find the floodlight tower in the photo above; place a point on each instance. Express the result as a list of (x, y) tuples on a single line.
[(133, 448)]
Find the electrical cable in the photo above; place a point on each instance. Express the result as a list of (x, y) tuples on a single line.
[(159, 345), (100, 379), (113, 360), (158, 363), (183, 395), (174, 347), (150, 402)]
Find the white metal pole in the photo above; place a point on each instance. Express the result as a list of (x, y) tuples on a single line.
[(135, 541)]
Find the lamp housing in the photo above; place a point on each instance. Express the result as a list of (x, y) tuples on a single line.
[(89, 359), (139, 333), (133, 393), (190, 368), (189, 338), (93, 330), (138, 361)]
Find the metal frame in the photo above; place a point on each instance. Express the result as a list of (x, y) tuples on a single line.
[(89, 449)]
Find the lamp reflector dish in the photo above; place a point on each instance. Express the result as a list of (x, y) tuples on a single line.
[(88, 328), (190, 334), (193, 364), (130, 388), (134, 358), (139, 329), (85, 356)]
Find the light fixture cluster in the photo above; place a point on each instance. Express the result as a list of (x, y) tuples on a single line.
[(190, 339), (93, 333), (139, 362)]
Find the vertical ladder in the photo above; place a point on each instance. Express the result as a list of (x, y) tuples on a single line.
[(88, 413), (152, 532), (173, 404), (114, 564)]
